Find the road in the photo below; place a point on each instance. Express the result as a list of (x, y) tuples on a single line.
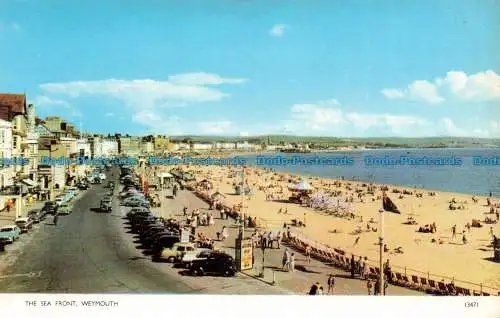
[(90, 252)]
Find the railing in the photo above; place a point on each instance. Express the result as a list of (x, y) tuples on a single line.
[(410, 278)]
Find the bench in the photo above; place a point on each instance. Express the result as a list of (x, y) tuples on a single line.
[(442, 288), (476, 293), (466, 291)]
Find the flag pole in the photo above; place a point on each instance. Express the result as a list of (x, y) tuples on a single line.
[(381, 251)]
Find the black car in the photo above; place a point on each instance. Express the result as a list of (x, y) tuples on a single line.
[(105, 206), (163, 241), (216, 263), (36, 215), (50, 207)]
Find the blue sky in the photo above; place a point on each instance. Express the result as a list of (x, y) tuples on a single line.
[(331, 68)]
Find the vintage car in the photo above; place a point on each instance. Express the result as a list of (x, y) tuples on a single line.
[(24, 224), (9, 233), (105, 206), (65, 209), (176, 252)]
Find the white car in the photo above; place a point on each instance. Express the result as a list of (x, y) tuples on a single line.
[(102, 176), (197, 254), (59, 201)]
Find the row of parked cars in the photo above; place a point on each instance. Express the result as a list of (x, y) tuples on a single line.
[(62, 205), (162, 237)]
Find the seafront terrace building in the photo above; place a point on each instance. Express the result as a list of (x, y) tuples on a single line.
[(6, 171)]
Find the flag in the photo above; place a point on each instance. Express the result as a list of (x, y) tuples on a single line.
[(388, 205)]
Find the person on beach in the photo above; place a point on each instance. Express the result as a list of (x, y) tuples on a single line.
[(357, 241), (464, 239), (453, 231), (292, 262), (331, 283), (185, 211)]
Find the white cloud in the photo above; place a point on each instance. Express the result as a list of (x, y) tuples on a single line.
[(179, 91), (202, 78), (393, 93), (109, 115), (215, 127), (482, 86), (244, 134), (278, 30), (41, 100)]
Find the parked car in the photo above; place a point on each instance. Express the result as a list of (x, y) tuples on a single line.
[(24, 224), (102, 176), (50, 207), (176, 252), (163, 241), (65, 209), (198, 254), (36, 215), (82, 185), (9, 233), (137, 211), (216, 263), (105, 206), (135, 202)]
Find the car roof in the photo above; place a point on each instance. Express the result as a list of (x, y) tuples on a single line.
[(21, 220), (10, 226)]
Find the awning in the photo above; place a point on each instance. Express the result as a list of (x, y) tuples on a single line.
[(29, 183), (165, 175)]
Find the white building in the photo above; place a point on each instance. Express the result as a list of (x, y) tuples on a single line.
[(70, 144), (244, 145), (6, 172), (225, 145), (202, 147), (109, 148), (83, 147), (147, 147)]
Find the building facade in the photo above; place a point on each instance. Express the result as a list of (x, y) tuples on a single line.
[(6, 171)]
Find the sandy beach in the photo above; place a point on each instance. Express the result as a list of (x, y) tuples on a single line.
[(446, 256)]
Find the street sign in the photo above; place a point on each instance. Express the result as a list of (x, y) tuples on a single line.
[(184, 236)]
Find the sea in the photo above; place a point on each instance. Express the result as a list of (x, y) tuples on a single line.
[(471, 171)]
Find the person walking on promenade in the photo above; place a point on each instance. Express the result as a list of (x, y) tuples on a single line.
[(292, 262), (453, 231), (353, 266), (331, 283), (286, 259), (369, 286), (308, 253), (388, 271)]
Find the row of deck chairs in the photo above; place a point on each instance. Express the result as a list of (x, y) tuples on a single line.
[(426, 285)]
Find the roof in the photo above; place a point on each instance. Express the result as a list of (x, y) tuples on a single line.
[(12, 104)]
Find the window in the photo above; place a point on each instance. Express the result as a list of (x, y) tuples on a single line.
[(181, 249)]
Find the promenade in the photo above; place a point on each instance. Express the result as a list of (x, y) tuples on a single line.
[(297, 282)]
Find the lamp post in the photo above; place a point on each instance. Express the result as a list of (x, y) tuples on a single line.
[(381, 252), (242, 222), (263, 248)]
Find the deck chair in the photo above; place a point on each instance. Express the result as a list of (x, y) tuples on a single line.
[(485, 294), (433, 287), (399, 279), (442, 288), (414, 280), (406, 282), (452, 290), (460, 291), (466, 291), (476, 293)]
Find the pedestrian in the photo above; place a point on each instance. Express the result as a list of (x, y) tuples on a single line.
[(353, 266), (308, 253), (292, 262), (369, 286), (385, 286), (377, 286), (388, 271), (331, 283), (453, 231), (285, 259)]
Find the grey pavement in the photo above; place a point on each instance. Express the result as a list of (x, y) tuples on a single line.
[(297, 282)]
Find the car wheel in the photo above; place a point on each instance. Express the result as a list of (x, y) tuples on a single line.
[(171, 259), (228, 273), (199, 271)]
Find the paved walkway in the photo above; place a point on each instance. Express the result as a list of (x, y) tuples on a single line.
[(297, 282)]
